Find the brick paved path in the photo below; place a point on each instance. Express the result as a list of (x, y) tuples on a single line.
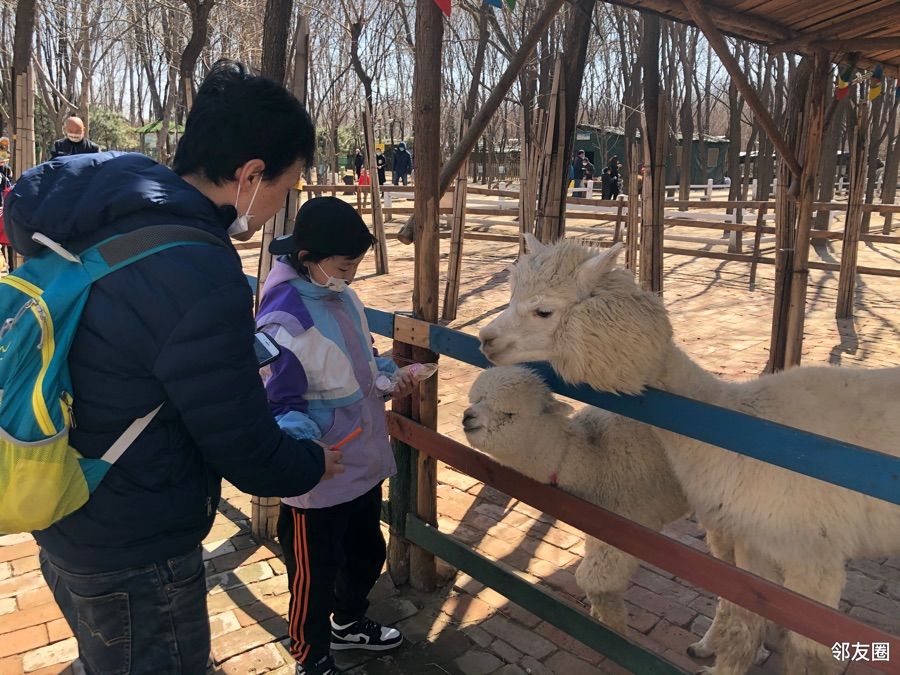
[(466, 628)]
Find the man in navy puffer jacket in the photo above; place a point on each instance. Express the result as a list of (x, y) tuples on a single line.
[(175, 328)]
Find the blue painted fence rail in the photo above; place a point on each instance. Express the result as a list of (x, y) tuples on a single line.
[(850, 466)]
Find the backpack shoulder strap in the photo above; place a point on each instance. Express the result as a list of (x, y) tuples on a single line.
[(118, 251)]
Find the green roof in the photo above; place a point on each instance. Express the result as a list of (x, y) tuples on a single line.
[(154, 128)]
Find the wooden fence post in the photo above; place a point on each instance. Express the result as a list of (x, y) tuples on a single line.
[(853, 224), (427, 127), (381, 259), (457, 234)]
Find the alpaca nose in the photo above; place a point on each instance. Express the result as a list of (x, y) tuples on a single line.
[(487, 335), (468, 416)]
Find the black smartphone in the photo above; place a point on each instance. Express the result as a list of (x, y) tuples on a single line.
[(267, 350)]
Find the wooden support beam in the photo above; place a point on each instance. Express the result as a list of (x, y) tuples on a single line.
[(427, 130), (400, 487), (739, 23), (454, 264), (654, 138), (858, 169), (840, 25), (547, 226), (813, 128), (858, 44), (496, 97), (701, 17), (381, 259)]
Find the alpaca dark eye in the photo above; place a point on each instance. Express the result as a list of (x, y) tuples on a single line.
[(543, 313), (509, 415)]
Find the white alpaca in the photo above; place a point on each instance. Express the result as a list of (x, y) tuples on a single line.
[(603, 458), (591, 321)]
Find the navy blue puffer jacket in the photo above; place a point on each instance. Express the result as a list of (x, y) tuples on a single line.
[(176, 327)]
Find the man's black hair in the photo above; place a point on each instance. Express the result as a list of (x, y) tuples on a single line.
[(238, 116)]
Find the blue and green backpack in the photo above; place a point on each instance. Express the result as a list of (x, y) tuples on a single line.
[(42, 478)]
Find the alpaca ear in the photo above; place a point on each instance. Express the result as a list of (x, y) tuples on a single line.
[(592, 269), (532, 243), (557, 407)]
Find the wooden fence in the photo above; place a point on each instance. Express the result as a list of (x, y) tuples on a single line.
[(839, 463)]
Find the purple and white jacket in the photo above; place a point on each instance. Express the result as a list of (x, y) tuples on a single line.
[(322, 386)]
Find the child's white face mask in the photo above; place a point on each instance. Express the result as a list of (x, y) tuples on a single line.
[(331, 283)]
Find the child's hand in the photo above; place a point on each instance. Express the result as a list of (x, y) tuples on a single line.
[(404, 385), (333, 463)]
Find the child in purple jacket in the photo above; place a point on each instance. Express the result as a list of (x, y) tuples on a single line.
[(323, 387)]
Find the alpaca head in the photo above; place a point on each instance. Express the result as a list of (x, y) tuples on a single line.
[(502, 400), (572, 307)]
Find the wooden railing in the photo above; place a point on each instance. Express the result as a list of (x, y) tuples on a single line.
[(844, 464)]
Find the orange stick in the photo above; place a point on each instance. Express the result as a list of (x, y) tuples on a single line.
[(349, 437)]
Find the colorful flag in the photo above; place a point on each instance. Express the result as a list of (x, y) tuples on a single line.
[(444, 5), (511, 3), (897, 93), (494, 3), (842, 86), (875, 82)]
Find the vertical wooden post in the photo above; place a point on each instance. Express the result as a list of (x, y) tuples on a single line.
[(786, 211), (757, 240), (654, 137), (400, 488), (427, 129), (632, 222), (457, 234), (554, 165), (858, 169), (814, 127), (528, 180), (381, 259), (264, 511), (617, 230)]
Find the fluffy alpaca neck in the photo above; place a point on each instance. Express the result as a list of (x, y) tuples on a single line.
[(548, 441), (680, 375)]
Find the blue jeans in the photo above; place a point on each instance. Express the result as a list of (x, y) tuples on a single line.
[(139, 620)]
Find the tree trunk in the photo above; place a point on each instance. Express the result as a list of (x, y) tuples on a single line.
[(23, 123), (878, 123), (891, 166), (859, 135), (579, 15), (276, 24), (200, 11), (828, 166)]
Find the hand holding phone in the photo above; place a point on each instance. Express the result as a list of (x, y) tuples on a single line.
[(266, 349)]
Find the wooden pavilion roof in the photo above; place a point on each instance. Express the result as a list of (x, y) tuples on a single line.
[(870, 27)]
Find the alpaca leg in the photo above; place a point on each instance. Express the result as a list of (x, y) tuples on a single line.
[(743, 633), (722, 547), (603, 575), (822, 580)]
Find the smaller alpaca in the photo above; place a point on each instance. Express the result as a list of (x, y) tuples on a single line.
[(606, 459)]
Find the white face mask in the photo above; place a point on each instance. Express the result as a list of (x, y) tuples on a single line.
[(75, 138), (242, 223), (331, 283)]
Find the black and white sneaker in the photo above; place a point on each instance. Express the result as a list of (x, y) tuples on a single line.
[(324, 666), (364, 634)]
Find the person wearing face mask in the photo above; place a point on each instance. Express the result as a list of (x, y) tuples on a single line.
[(325, 387), (176, 329), (75, 141)]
